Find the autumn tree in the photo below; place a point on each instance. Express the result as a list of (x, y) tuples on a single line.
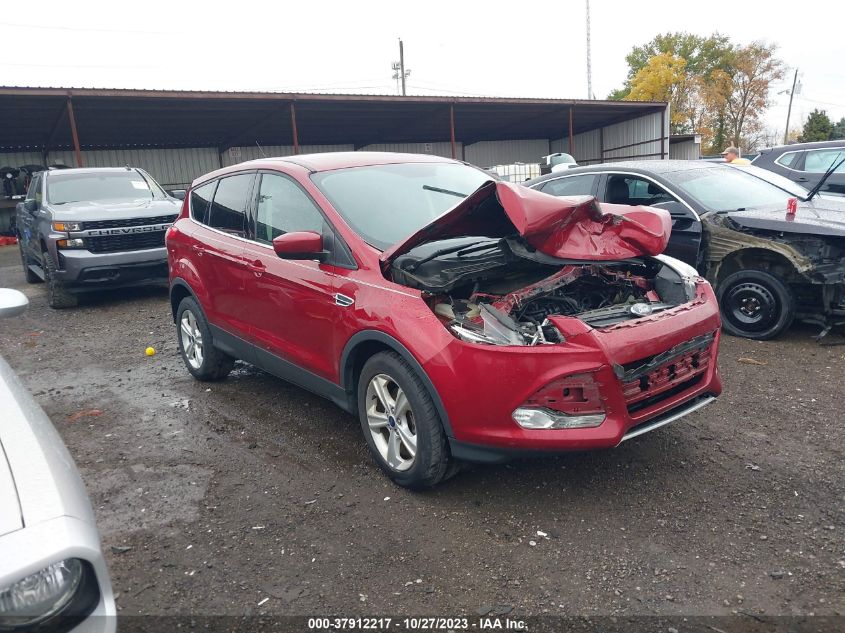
[(817, 127), (744, 89)]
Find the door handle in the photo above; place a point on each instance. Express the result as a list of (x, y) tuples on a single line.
[(257, 267)]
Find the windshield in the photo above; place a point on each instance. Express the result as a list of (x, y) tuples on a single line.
[(386, 203), (727, 189), (781, 182), (64, 188)]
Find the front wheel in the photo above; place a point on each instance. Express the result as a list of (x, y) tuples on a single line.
[(57, 295), (755, 305), (401, 424), (203, 360)]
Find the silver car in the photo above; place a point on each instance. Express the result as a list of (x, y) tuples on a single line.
[(52, 571)]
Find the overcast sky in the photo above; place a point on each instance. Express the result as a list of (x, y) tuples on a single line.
[(515, 49)]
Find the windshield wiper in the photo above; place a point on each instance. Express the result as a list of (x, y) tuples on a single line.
[(459, 250), (457, 194), (815, 190)]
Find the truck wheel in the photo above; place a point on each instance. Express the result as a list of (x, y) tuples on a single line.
[(755, 305), (57, 295), (31, 277), (203, 360), (401, 424)]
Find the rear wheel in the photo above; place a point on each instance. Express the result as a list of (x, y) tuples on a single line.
[(755, 305), (57, 295), (203, 360), (30, 276), (401, 424)]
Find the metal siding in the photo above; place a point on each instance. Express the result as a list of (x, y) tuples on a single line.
[(489, 153), (637, 130), (687, 150), (16, 159)]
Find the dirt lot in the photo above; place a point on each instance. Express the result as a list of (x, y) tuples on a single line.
[(251, 488)]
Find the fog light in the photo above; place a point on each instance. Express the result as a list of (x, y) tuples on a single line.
[(41, 595), (529, 418), (74, 243)]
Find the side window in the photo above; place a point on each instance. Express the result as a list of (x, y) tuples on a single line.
[(819, 161), (788, 159), (571, 186), (283, 207), (635, 191), (201, 202), (228, 211), (34, 191)]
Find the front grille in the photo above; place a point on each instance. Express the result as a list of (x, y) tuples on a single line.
[(134, 242), (117, 224), (677, 374)]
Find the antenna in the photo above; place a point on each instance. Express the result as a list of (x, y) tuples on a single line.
[(263, 155), (589, 63)]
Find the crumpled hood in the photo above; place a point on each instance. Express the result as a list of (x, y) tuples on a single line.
[(115, 210), (566, 228), (820, 216)]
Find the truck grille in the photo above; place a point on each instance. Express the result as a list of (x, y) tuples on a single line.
[(652, 382), (134, 242), (117, 224)]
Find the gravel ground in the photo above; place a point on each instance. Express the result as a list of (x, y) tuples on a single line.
[(212, 498)]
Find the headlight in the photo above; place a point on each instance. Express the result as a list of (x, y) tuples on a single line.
[(66, 588), (66, 226)]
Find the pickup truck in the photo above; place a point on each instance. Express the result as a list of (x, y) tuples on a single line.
[(87, 229)]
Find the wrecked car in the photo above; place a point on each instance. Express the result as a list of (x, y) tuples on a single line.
[(772, 255), (460, 318)]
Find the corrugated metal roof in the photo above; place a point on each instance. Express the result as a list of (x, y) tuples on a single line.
[(33, 118)]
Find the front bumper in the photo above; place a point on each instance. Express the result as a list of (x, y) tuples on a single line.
[(33, 548), (82, 269), (499, 380)]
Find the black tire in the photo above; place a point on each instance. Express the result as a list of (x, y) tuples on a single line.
[(57, 295), (214, 365), (432, 462), (31, 277), (755, 305)]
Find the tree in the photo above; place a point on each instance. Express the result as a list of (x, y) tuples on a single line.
[(817, 127), (663, 78), (838, 132), (702, 55), (743, 90)]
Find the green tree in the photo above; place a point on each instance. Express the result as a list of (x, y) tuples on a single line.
[(838, 130), (818, 127)]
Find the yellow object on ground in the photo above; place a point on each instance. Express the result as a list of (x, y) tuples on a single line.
[(150, 351)]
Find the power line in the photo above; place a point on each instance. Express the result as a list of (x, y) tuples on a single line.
[(43, 27)]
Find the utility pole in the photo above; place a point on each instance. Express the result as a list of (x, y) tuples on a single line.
[(789, 110), (589, 64), (402, 65), (399, 72)]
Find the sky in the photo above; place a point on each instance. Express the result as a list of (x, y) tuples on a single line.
[(488, 48)]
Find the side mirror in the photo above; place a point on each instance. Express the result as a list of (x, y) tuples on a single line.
[(300, 245), (30, 206), (179, 194), (12, 303)]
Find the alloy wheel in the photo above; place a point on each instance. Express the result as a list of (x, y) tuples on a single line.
[(191, 339), (391, 422)]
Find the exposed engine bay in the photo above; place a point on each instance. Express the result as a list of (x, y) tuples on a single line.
[(500, 292)]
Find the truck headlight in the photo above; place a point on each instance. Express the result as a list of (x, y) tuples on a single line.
[(63, 227), (66, 588)]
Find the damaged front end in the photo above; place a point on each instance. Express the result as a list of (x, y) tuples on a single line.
[(507, 264), (499, 297)]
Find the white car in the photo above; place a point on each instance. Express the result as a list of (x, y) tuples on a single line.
[(52, 572)]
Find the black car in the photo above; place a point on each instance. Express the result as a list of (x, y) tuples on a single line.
[(806, 163), (768, 267)]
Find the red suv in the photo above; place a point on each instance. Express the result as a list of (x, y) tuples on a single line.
[(461, 318)]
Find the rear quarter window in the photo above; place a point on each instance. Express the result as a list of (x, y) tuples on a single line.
[(201, 202)]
